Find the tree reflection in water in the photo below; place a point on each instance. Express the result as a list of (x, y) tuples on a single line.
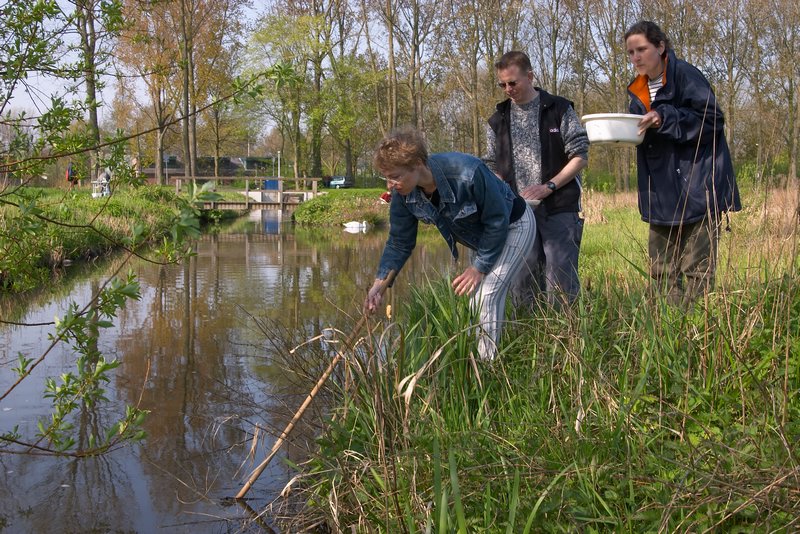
[(205, 350)]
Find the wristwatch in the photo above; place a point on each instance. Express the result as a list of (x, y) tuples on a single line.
[(550, 185)]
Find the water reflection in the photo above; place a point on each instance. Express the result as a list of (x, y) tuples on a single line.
[(199, 352)]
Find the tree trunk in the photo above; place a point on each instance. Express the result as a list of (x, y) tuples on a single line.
[(160, 155), (791, 106), (192, 103), (88, 35), (391, 66), (348, 158), (475, 108), (373, 62), (217, 154), (316, 122), (187, 172), (416, 69), (296, 130)]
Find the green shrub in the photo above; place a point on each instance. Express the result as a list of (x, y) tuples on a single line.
[(60, 225), (340, 206), (600, 181)]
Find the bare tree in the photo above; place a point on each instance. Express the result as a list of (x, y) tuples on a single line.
[(386, 108), (581, 30), (783, 28), (389, 13), (461, 45), (728, 56), (431, 64), (551, 42), (96, 24), (144, 53)]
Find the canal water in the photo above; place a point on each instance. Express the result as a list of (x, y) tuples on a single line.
[(204, 351)]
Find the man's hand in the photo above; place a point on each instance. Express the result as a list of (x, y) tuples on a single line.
[(467, 281), (535, 192)]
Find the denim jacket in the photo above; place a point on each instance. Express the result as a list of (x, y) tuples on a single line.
[(474, 210)]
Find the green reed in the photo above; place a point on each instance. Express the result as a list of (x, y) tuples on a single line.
[(619, 414)]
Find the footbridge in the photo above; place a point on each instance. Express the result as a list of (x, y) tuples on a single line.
[(271, 192)]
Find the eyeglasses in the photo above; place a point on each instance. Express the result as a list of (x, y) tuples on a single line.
[(510, 83)]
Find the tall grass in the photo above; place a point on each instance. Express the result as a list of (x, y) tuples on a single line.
[(620, 414)]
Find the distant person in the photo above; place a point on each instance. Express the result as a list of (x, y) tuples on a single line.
[(70, 175), (537, 144), (104, 179), (469, 205), (685, 173)]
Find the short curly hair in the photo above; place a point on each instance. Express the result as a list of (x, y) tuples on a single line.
[(402, 148)]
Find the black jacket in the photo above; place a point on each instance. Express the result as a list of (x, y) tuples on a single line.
[(685, 168), (554, 157)]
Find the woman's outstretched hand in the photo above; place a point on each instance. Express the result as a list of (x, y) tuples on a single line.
[(374, 296), (468, 281)]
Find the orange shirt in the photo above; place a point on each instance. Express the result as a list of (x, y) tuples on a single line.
[(640, 88)]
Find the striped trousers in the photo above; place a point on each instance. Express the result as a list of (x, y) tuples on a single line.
[(490, 297)]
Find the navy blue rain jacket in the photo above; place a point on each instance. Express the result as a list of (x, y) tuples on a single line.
[(685, 168)]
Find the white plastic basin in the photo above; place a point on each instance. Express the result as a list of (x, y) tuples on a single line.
[(613, 128)]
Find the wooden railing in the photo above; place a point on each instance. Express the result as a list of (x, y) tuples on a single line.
[(301, 186)]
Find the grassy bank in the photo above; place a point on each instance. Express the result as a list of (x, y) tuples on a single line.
[(43, 228), (622, 415), (339, 206)]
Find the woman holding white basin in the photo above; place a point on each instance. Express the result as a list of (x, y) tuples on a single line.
[(685, 173)]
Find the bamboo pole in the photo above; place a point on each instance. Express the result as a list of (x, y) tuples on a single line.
[(322, 379)]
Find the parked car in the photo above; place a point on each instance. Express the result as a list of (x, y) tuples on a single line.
[(339, 182)]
